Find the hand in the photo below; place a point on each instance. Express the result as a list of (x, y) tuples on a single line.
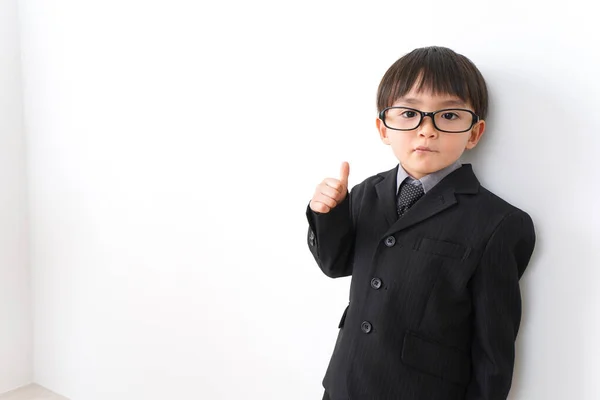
[(331, 191)]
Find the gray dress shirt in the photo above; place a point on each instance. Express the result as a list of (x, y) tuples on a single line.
[(428, 181)]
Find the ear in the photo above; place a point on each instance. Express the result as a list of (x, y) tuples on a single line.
[(382, 131), (476, 133)]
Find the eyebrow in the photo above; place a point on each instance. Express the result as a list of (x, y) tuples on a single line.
[(446, 103)]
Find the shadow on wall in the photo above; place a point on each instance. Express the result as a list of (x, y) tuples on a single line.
[(533, 136)]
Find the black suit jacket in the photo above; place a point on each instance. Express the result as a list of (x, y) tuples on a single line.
[(435, 303)]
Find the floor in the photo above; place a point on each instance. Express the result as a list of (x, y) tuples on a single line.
[(31, 392)]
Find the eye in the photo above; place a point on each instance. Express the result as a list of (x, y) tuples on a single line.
[(450, 115), (408, 114)]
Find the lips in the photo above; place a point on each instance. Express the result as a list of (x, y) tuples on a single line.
[(423, 148)]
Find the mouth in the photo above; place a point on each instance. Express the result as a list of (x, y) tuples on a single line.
[(424, 149)]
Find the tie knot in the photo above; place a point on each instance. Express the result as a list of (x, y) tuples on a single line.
[(408, 195)]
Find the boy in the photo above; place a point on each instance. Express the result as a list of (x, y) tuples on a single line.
[(435, 258)]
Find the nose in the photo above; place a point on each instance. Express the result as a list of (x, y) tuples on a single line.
[(426, 129)]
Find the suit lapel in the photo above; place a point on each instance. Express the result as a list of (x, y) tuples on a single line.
[(386, 193), (428, 206), (438, 199)]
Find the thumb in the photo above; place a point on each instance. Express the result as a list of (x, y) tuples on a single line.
[(344, 172)]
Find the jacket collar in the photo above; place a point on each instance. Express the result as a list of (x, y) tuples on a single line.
[(439, 198)]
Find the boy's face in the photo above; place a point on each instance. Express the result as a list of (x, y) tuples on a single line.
[(443, 148)]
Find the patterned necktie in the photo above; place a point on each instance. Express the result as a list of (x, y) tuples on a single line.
[(407, 196)]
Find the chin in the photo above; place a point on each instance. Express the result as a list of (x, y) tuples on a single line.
[(425, 168)]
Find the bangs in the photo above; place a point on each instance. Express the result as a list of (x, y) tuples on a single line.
[(438, 70)]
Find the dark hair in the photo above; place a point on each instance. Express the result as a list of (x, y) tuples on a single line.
[(440, 70)]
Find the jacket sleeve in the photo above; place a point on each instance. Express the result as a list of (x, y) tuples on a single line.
[(331, 238), (496, 300)]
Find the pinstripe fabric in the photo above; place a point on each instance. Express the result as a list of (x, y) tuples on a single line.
[(435, 303)]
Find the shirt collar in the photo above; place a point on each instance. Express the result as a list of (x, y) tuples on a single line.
[(428, 181)]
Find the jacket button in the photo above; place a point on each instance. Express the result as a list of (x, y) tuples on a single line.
[(366, 326), (390, 241), (375, 283)]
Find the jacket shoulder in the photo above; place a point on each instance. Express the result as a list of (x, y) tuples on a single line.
[(373, 180), (496, 201)]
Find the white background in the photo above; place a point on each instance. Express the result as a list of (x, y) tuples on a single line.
[(16, 366), (172, 148)]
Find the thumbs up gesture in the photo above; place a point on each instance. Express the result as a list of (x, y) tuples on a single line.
[(331, 191)]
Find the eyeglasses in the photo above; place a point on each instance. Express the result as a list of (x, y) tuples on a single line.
[(451, 120)]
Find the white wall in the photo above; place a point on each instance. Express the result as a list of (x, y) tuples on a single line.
[(16, 367), (173, 148)]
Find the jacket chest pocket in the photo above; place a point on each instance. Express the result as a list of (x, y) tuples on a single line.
[(442, 248)]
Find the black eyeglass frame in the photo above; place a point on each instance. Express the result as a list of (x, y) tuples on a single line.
[(431, 114)]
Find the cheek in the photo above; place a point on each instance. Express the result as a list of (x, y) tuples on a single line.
[(401, 142), (457, 145)]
